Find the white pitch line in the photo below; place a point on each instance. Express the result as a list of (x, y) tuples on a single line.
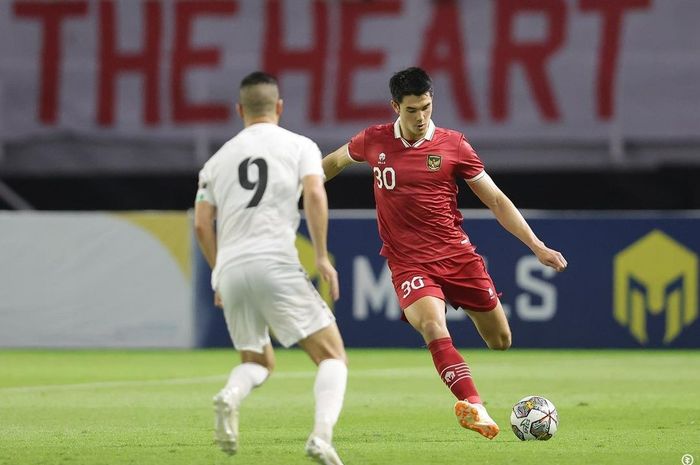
[(112, 384), (371, 373)]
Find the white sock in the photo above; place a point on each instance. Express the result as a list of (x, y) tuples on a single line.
[(244, 378), (329, 391)]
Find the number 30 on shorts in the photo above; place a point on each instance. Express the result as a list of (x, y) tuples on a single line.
[(415, 283)]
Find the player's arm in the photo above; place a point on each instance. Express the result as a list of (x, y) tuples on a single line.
[(510, 218), (316, 210), (204, 228), (336, 162)]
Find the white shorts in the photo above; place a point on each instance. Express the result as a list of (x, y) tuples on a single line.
[(263, 295)]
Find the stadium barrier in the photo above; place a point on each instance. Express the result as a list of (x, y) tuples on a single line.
[(632, 281), (95, 279), (127, 280)]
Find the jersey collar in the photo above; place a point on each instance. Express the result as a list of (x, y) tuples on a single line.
[(428, 135)]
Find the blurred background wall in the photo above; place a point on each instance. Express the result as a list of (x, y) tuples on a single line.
[(110, 105), (571, 103)]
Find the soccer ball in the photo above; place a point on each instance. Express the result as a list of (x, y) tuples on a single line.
[(534, 417)]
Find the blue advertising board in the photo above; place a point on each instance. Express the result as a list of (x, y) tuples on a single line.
[(632, 281)]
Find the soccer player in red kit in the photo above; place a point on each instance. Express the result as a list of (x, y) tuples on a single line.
[(432, 261)]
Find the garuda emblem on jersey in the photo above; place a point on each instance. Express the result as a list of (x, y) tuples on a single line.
[(434, 162)]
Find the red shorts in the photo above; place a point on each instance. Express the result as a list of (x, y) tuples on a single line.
[(462, 281)]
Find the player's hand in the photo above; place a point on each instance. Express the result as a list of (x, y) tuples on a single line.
[(328, 274), (551, 258), (217, 300)]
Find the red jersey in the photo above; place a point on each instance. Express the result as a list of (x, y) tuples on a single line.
[(415, 189)]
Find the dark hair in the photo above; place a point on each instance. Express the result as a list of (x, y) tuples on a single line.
[(410, 81), (258, 77)]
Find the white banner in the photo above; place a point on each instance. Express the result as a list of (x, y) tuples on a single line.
[(504, 69), (95, 280)]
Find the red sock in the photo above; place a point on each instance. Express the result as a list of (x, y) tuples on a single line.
[(453, 370)]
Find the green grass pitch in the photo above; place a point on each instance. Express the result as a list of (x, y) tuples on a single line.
[(154, 407)]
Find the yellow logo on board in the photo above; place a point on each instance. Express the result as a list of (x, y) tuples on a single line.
[(656, 274), (308, 261)]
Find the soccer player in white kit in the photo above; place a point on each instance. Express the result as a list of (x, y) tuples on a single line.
[(246, 218)]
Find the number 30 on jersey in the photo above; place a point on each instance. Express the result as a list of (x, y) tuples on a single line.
[(386, 178)]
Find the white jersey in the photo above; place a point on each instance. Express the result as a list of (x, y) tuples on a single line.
[(254, 180)]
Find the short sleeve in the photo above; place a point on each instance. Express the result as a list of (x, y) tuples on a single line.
[(310, 162), (205, 193), (356, 147), (469, 165)]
